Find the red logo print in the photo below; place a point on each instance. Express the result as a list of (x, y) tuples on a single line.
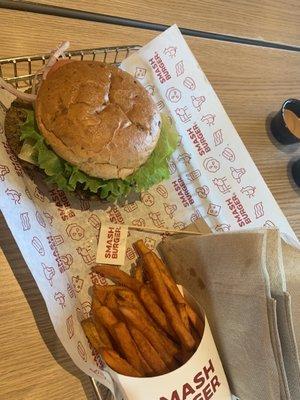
[(237, 173), (179, 68), (221, 184), (84, 205), (70, 326), (87, 255), (195, 216), (75, 231), (140, 72), (130, 207), (170, 51), (139, 222), (60, 298), (147, 199), (130, 253), (25, 221), (218, 137), (156, 219), (179, 225), (228, 154), (3, 171), (172, 167), (150, 243), (37, 245), (81, 351), (193, 175), (40, 219), (214, 210), (150, 89), (57, 239), (160, 105), (49, 273), (77, 283), (173, 95), (222, 228), (202, 191), (209, 119), (249, 191), (94, 221), (28, 193), (14, 195), (198, 101), (269, 224), (71, 291), (49, 217), (170, 209), (183, 114), (211, 164), (86, 309), (162, 191), (259, 210), (66, 261), (185, 158), (189, 83), (38, 194)]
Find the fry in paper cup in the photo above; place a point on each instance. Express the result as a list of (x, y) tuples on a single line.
[(157, 334)]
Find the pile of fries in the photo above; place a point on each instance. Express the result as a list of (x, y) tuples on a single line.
[(142, 326)]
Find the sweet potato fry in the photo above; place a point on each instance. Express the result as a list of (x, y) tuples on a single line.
[(166, 302), (150, 354), (116, 275), (141, 323), (106, 316), (138, 272), (91, 333), (128, 346), (154, 310), (112, 304), (102, 291), (178, 298), (118, 363), (184, 315), (141, 248), (103, 334), (196, 321)]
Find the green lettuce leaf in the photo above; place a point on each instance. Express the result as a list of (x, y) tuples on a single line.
[(68, 177)]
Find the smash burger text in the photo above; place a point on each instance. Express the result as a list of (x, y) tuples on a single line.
[(203, 386)]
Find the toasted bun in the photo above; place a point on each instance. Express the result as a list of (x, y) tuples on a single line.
[(97, 117)]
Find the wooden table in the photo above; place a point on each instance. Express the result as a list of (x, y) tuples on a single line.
[(251, 79)]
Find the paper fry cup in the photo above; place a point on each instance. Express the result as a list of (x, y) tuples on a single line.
[(201, 378)]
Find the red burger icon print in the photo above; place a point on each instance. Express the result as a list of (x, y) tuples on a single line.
[(189, 83)]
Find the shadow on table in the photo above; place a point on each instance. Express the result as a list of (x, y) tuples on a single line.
[(38, 307)]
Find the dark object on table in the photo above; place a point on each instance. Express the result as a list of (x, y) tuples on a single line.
[(285, 126), (296, 172)]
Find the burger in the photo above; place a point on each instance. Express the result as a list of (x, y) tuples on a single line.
[(93, 129)]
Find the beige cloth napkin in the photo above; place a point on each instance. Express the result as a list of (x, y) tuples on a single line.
[(229, 274)]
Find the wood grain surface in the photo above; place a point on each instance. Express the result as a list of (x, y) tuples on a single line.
[(269, 20), (251, 82), (33, 362)]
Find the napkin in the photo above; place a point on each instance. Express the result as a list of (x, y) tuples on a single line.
[(238, 278)]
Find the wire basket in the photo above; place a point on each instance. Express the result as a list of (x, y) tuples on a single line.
[(19, 71)]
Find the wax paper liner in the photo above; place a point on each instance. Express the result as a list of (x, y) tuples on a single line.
[(212, 177)]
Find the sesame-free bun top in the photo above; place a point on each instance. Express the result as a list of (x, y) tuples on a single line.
[(97, 117)]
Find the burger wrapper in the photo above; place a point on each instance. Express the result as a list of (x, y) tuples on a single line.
[(212, 177)]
